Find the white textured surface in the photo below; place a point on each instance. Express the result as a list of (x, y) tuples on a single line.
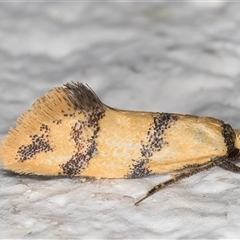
[(172, 57)]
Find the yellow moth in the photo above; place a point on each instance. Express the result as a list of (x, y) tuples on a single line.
[(69, 131)]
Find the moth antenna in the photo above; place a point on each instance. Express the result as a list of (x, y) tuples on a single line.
[(178, 177)]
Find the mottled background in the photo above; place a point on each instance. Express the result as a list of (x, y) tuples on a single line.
[(172, 57)]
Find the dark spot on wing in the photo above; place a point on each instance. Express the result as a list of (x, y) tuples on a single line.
[(58, 121), (80, 160), (87, 103), (138, 170), (40, 143), (154, 142), (155, 134)]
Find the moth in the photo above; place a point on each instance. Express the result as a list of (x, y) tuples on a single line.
[(70, 132)]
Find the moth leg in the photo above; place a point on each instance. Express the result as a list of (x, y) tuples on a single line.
[(188, 167), (227, 165), (176, 178), (235, 159)]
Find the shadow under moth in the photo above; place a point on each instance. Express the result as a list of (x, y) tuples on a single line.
[(70, 132)]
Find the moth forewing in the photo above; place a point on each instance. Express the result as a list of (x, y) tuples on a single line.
[(70, 132)]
